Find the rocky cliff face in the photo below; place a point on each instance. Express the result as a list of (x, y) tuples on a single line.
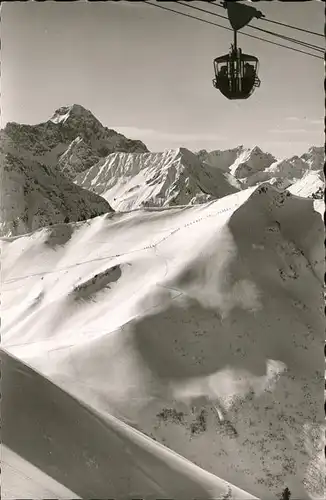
[(71, 131), (38, 163), (33, 195)]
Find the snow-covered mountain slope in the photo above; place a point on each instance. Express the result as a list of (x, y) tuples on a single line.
[(174, 177), (252, 166), (49, 140), (74, 142), (92, 454), (250, 162), (240, 162), (281, 173), (221, 159), (311, 185), (20, 480), (200, 326), (33, 195)]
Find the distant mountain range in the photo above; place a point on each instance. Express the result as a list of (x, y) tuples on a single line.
[(186, 312), (45, 166)]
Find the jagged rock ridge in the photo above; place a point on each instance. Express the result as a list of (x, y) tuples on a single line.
[(48, 141), (174, 177), (33, 195)]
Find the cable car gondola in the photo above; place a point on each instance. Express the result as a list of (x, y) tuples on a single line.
[(236, 73)]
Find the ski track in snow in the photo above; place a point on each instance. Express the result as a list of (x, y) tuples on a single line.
[(79, 330), (189, 322), (147, 247)]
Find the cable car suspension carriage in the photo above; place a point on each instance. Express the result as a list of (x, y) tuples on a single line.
[(236, 73)]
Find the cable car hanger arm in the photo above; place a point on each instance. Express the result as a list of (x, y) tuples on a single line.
[(146, 2), (284, 37)]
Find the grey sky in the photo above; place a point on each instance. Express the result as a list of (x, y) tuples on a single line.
[(148, 73)]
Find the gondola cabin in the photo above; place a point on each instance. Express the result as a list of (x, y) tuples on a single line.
[(236, 74)]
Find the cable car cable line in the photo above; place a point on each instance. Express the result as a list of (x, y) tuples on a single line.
[(308, 45), (290, 39), (277, 22), (229, 29), (293, 27)]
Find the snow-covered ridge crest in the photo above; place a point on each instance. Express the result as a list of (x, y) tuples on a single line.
[(251, 166), (87, 440), (200, 327), (180, 177), (74, 142), (239, 161), (65, 112), (173, 177), (312, 185)]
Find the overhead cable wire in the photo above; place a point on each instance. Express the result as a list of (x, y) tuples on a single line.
[(292, 27), (308, 45), (277, 22), (229, 29)]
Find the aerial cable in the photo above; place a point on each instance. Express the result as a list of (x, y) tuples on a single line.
[(277, 22), (293, 27), (284, 37), (230, 29), (308, 45)]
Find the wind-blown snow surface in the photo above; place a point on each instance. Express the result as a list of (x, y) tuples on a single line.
[(202, 327), (174, 177), (20, 479), (92, 454)]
